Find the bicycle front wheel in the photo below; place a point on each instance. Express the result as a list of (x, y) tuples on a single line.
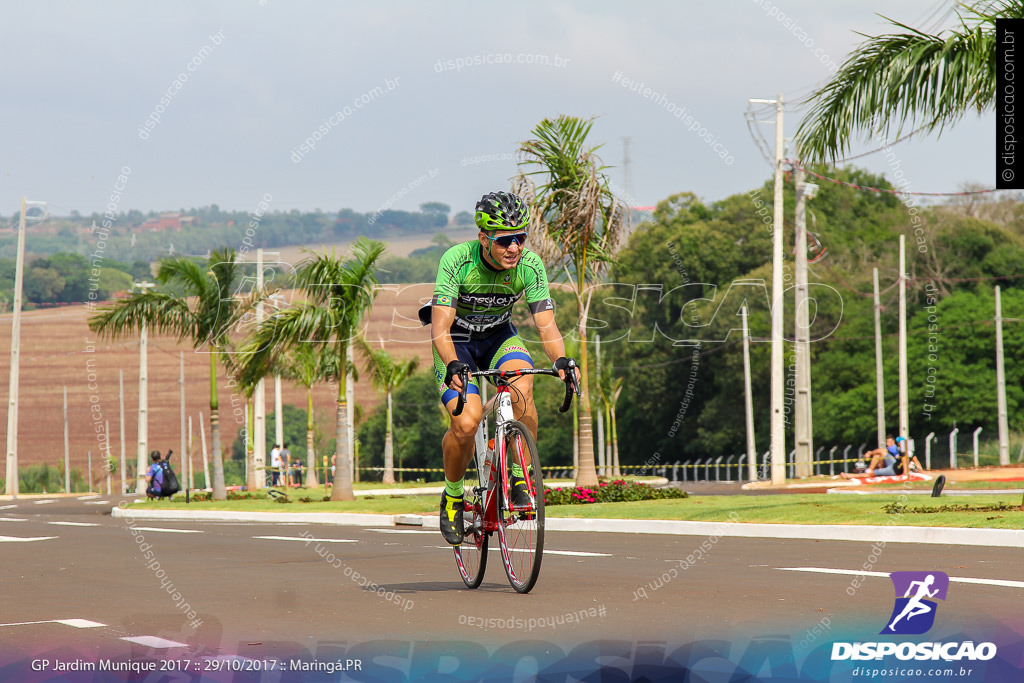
[(521, 518), (471, 554)]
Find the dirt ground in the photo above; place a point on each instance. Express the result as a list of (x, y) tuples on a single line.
[(57, 350), (399, 246), (811, 484)]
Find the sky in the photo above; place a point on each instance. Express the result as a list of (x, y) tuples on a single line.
[(373, 105)]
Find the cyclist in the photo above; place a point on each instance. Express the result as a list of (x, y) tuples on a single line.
[(470, 316)]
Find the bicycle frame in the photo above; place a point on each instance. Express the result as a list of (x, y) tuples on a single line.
[(490, 462)]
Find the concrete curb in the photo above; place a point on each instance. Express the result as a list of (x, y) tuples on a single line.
[(1004, 538)]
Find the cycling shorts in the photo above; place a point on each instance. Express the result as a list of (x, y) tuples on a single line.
[(488, 353)]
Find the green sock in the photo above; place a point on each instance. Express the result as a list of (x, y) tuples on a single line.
[(454, 488), (517, 470)]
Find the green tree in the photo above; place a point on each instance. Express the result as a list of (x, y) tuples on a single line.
[(907, 78), (438, 211), (43, 285), (419, 425), (387, 374), (203, 313), (583, 223), (338, 294)]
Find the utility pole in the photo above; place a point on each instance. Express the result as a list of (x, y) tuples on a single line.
[(278, 411), (627, 171), (12, 403), (904, 399), (802, 424), (879, 386), (141, 465), (124, 462), (350, 413), (12, 389), (184, 446), (1004, 438), (67, 449), (748, 401), (259, 395), (778, 424)]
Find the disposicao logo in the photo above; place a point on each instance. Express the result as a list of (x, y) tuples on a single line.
[(914, 614)]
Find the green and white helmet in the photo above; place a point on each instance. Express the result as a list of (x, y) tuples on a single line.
[(502, 211)]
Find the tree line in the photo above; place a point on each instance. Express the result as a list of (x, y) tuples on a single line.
[(209, 228)]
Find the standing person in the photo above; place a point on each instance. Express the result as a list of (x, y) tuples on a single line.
[(286, 463), (275, 464), (470, 316)]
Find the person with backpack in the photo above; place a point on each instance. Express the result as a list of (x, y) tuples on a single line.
[(160, 478)]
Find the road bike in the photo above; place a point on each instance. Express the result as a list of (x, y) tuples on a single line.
[(488, 501)]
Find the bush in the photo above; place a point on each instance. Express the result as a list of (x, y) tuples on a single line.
[(608, 492)]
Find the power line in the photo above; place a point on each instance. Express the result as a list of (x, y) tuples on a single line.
[(797, 164)]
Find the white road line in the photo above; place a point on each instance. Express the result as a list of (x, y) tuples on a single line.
[(570, 553), (79, 623), (44, 502), (169, 531), (97, 502), (72, 523), (7, 507), (153, 641), (13, 519), (89, 497), (19, 539), (75, 623), (953, 579), (308, 540), (402, 531)]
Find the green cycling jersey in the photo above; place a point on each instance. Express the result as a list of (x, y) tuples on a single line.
[(482, 295)]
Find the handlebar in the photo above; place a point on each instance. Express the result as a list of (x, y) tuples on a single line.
[(571, 383)]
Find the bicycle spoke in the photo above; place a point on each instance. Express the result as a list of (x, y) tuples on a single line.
[(521, 527), (471, 554)]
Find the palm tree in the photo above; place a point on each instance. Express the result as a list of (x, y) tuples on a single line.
[(338, 294), (927, 81), (204, 313), (387, 375), (306, 365), (580, 224), (609, 388)]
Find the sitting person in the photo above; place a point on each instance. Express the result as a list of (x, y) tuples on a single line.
[(155, 476), (888, 461)]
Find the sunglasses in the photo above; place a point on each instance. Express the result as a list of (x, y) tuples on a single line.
[(505, 241)]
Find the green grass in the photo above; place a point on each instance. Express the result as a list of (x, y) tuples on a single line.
[(805, 509), (773, 509)]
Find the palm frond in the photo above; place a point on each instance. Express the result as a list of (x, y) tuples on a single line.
[(579, 219), (910, 79), (339, 293), (160, 312)]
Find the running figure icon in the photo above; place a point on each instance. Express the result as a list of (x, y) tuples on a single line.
[(916, 588), (915, 606)]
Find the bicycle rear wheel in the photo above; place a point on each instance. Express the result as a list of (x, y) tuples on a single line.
[(521, 528), (471, 554)]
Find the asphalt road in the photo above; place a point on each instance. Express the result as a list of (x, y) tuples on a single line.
[(79, 585)]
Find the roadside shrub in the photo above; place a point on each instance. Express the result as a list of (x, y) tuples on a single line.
[(617, 491)]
